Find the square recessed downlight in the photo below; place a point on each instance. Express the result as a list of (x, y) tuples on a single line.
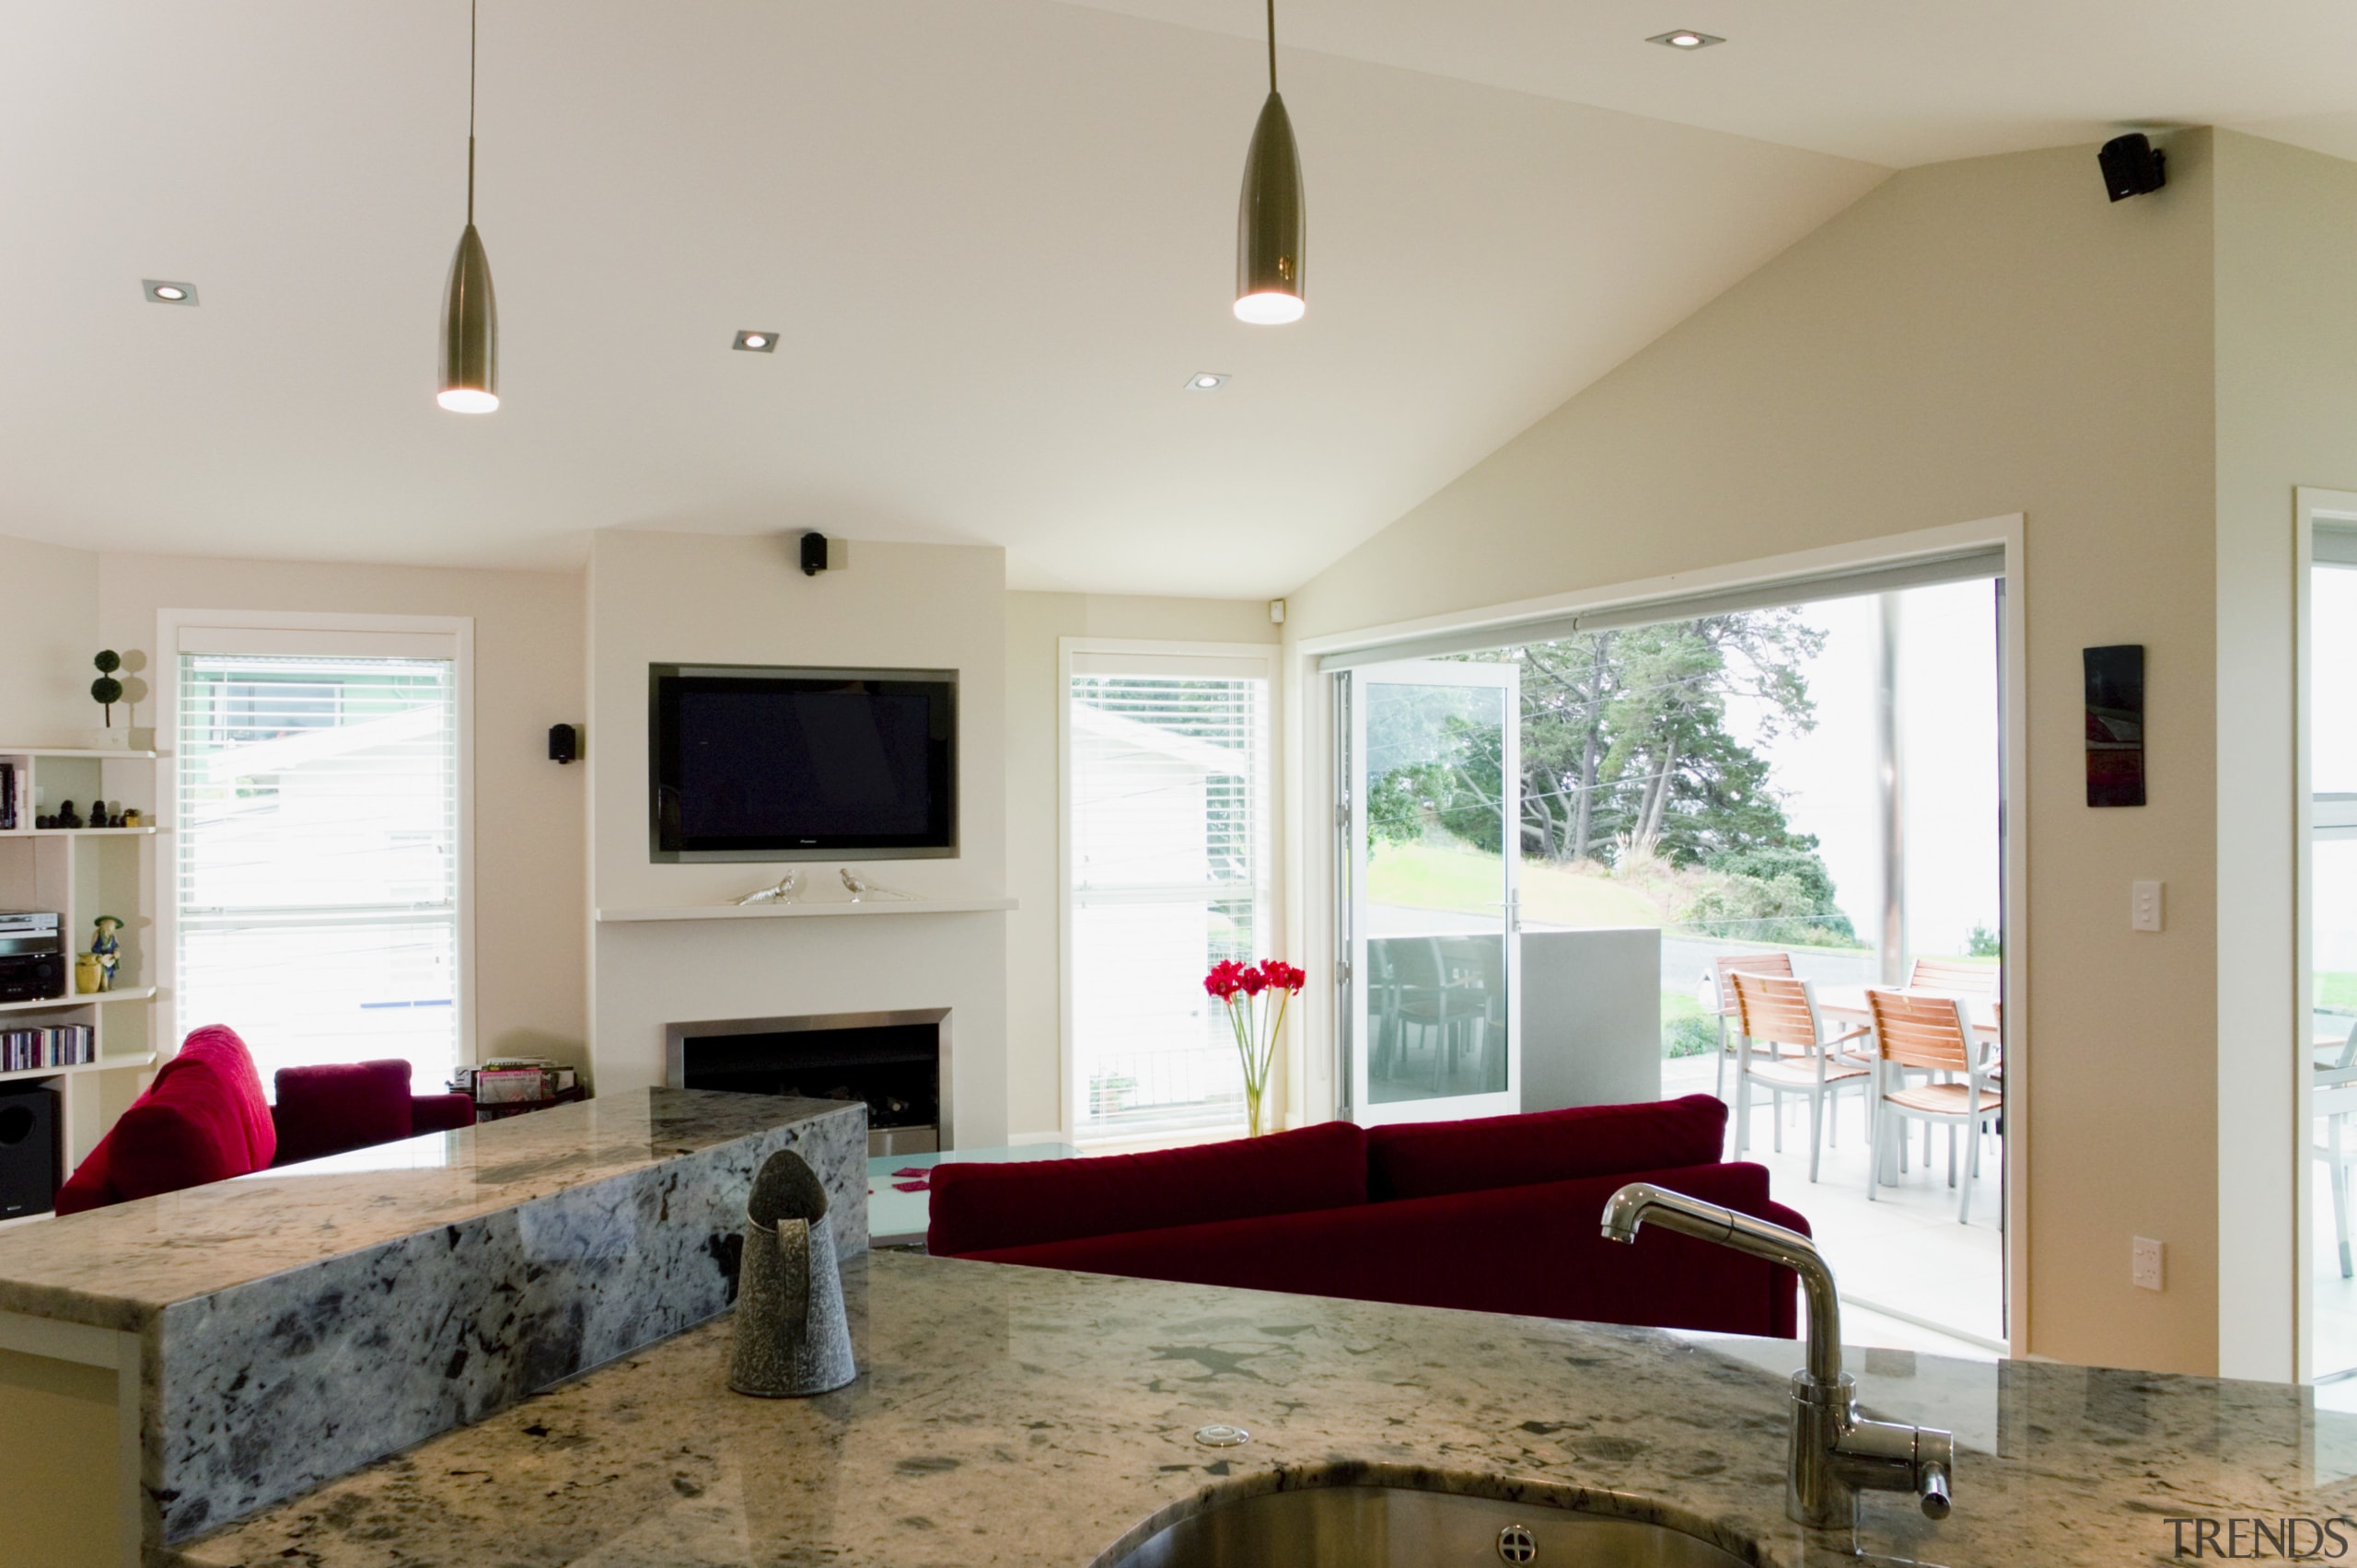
[(755, 340), (164, 291), (1685, 37), (1207, 380)]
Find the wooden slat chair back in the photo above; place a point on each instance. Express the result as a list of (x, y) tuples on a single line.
[(1927, 1032), (1946, 974), (1773, 1010)]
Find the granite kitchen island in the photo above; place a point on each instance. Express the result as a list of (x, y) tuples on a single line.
[(1021, 1418), (266, 1334)]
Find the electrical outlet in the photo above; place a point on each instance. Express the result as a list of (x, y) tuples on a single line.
[(2144, 1263), (2144, 906)]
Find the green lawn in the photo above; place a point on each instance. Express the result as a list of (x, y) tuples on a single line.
[(1434, 877), (2337, 988)]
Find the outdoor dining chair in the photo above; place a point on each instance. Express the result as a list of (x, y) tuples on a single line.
[(1719, 992), (1780, 1015), (1929, 1034)]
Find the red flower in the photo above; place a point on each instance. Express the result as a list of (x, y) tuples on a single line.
[(1253, 981), (1280, 976), (1226, 980)]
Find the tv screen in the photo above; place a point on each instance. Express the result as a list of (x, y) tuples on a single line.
[(803, 764)]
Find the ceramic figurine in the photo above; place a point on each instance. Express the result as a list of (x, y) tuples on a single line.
[(863, 890), (789, 888), (131, 818), (103, 947), (67, 817)]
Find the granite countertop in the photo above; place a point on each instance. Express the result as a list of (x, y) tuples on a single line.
[(118, 1267), (1020, 1417)]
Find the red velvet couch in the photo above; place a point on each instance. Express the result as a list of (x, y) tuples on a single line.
[(354, 1104), (204, 1119), (1498, 1216)]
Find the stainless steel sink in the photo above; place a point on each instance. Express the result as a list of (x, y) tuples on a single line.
[(1397, 1527)]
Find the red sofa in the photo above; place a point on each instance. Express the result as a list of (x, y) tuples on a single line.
[(204, 1119), (1499, 1215), (354, 1104)]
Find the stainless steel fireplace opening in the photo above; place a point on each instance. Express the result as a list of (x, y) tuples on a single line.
[(894, 1061)]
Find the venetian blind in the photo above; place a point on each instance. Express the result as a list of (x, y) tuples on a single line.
[(1168, 866), (318, 856)]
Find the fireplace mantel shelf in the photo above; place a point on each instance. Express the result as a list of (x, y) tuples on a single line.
[(773, 912)]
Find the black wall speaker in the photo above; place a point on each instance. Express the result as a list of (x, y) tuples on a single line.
[(565, 743), (2132, 166), (27, 1150)]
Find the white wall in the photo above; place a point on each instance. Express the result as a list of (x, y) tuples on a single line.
[(531, 974), (49, 617), (2287, 408), (1036, 623), (656, 599), (1968, 340)]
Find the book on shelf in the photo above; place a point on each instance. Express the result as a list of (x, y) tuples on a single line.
[(53, 1045)]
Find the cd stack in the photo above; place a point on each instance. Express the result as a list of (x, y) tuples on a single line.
[(57, 1045)]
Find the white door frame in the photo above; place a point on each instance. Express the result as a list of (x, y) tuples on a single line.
[(1434, 672), (1311, 755)]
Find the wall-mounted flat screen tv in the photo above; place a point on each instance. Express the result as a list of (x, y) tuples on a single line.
[(752, 763)]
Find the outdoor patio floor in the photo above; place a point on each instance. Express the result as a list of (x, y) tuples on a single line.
[(1912, 1278)]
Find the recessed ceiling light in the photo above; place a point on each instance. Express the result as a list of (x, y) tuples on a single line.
[(1207, 380), (757, 342), (160, 292), (1685, 37)]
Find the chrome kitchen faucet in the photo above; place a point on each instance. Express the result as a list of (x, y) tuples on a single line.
[(1836, 1453)]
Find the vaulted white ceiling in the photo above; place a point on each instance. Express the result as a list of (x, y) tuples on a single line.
[(997, 236)]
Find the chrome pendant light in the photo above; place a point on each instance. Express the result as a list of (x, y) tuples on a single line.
[(1271, 226), (469, 315)]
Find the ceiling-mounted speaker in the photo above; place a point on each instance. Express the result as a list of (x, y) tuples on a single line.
[(2132, 166)]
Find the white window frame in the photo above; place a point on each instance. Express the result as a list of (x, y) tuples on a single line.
[(1264, 656), (283, 632)]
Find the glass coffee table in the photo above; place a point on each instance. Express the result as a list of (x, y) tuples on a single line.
[(899, 1206)]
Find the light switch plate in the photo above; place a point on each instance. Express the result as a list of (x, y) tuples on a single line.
[(2144, 1263), (2144, 906)]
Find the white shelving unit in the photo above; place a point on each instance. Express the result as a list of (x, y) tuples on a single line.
[(80, 874)]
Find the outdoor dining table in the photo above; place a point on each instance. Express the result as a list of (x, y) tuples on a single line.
[(1846, 1005)]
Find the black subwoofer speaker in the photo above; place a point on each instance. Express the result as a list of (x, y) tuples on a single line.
[(27, 1150)]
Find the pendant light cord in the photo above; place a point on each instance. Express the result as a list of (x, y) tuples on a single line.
[(1273, 45), (472, 7)]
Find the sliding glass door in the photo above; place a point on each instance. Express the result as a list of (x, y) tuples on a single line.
[(1431, 836)]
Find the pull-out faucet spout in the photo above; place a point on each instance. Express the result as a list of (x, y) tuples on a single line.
[(1835, 1452)]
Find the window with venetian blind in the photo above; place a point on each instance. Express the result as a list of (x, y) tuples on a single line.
[(317, 886), (1168, 860)]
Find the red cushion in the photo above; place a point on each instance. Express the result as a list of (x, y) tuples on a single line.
[(1426, 1159), (202, 1119), (440, 1113), (1536, 1251), (979, 1206), (343, 1105)]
